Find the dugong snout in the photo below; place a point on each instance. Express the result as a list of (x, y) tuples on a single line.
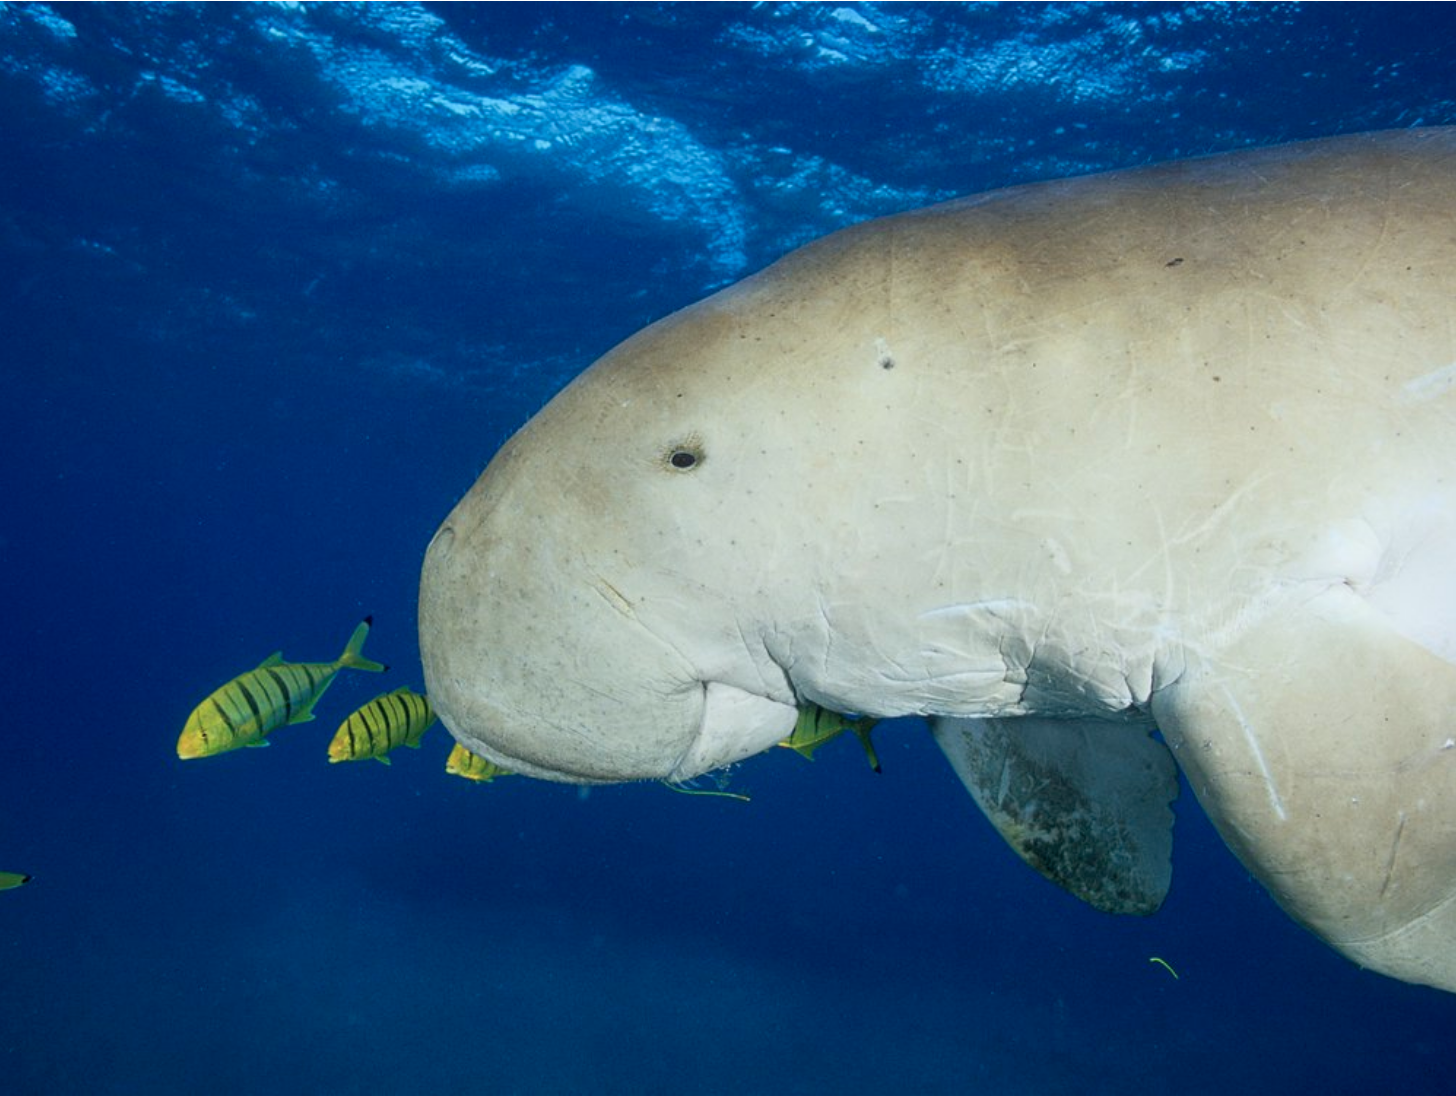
[(600, 699)]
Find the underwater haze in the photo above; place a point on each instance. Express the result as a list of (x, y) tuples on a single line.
[(276, 281)]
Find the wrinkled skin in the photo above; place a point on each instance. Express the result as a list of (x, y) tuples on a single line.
[(1174, 445)]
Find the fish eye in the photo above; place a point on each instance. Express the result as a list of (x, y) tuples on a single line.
[(684, 455)]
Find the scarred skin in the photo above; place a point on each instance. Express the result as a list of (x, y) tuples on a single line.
[(1174, 445)]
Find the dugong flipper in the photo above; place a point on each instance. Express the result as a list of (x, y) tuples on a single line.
[(1321, 745), (1171, 448), (1083, 801)]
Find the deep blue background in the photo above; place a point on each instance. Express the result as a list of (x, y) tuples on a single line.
[(274, 284)]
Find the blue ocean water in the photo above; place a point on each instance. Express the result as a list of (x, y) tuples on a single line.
[(277, 281)]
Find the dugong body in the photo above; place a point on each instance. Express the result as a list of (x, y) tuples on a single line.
[(1168, 449)]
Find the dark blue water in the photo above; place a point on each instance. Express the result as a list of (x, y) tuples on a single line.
[(275, 282)]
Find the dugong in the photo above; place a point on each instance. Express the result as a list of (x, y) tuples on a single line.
[(1102, 476)]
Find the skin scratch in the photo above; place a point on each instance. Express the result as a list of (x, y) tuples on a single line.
[(1219, 515), (1394, 848), (1253, 743), (1428, 386), (613, 597)]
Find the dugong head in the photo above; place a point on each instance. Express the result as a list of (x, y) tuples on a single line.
[(587, 610)]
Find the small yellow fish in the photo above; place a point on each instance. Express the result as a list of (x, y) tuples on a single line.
[(393, 719), (9, 880), (817, 726), (243, 711), (462, 762)]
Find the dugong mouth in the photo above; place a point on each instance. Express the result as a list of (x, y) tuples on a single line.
[(736, 724)]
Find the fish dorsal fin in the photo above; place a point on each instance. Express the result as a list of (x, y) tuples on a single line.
[(272, 660), (1083, 801)]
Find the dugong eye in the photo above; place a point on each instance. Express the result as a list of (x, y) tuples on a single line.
[(684, 455)]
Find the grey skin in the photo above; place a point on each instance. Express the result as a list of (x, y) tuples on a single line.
[(1057, 466)]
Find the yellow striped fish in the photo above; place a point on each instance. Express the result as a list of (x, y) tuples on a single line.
[(816, 726), (462, 762), (243, 711), (392, 719)]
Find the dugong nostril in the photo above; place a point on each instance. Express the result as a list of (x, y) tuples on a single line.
[(443, 540)]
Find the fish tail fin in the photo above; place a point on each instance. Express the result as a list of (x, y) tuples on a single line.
[(351, 656), (862, 729)]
